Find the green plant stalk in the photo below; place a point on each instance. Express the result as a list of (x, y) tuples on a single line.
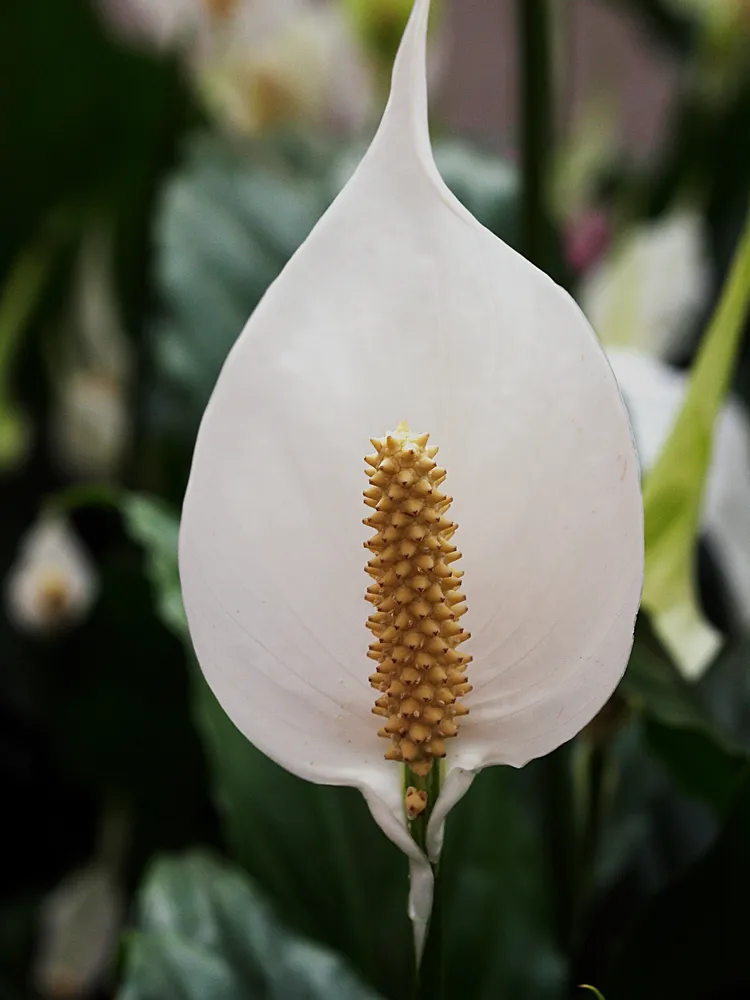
[(429, 974), (562, 843), (596, 768), (536, 117), (534, 25), (430, 784)]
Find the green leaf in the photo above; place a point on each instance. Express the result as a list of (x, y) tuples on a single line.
[(594, 990), (703, 759), (691, 942), (673, 490), (498, 923), (229, 221), (654, 686), (205, 932), (155, 526)]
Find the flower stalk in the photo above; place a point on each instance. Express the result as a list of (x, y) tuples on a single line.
[(426, 788)]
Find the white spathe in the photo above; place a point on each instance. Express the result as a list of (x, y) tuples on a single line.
[(53, 583), (654, 394), (649, 290), (161, 23), (400, 306)]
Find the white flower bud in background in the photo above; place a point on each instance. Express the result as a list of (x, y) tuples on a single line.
[(90, 420), (158, 23), (80, 924), (92, 426), (261, 63), (52, 583), (647, 293), (297, 61)]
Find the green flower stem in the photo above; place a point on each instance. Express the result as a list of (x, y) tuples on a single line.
[(562, 842), (429, 981), (431, 786), (534, 25), (431, 973), (594, 772)]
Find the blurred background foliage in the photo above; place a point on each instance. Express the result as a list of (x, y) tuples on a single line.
[(161, 162)]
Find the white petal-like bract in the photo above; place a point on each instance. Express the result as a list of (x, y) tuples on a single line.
[(400, 306), (52, 583), (648, 292), (273, 63)]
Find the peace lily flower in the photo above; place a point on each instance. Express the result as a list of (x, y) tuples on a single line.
[(654, 394), (53, 583), (652, 286), (400, 306)]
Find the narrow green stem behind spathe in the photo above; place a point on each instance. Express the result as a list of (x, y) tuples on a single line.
[(430, 784), (429, 980)]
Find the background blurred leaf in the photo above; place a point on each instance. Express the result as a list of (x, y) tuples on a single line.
[(204, 932), (155, 526), (498, 930), (673, 490), (484, 182), (704, 760), (229, 221), (661, 18), (725, 691), (692, 941), (83, 118)]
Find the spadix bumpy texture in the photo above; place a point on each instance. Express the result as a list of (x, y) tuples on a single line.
[(418, 600)]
